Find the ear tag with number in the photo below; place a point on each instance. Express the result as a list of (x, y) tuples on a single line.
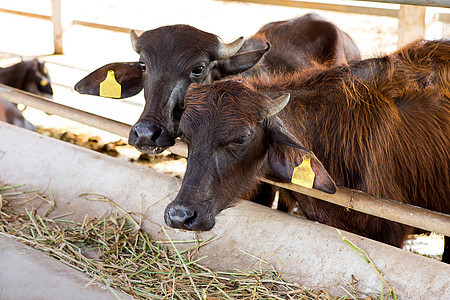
[(303, 174), (109, 87)]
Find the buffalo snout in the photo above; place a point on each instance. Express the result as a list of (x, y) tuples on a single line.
[(150, 138), (188, 218)]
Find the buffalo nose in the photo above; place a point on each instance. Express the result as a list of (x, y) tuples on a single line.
[(144, 134), (179, 216), (152, 132)]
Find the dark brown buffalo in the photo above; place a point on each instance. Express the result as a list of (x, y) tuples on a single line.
[(300, 44), (30, 76), (173, 57), (380, 125)]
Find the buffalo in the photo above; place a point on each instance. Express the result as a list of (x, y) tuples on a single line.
[(30, 76), (381, 125), (173, 57)]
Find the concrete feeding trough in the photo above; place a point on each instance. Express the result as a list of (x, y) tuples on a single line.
[(311, 254)]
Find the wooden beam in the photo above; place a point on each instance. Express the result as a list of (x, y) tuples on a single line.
[(102, 26), (57, 27), (331, 6), (376, 206), (17, 96), (25, 14), (411, 24), (435, 3)]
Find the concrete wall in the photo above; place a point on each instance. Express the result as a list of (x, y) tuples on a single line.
[(29, 274), (311, 254)]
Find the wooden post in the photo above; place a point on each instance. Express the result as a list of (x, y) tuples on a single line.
[(411, 24), (57, 26)]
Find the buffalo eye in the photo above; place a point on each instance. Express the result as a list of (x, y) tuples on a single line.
[(241, 140), (197, 71), (142, 64)]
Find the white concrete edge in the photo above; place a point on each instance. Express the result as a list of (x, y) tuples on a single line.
[(30, 274)]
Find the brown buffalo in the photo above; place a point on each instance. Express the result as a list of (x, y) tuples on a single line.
[(381, 126), (173, 57)]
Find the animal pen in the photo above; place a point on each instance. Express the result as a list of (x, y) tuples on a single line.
[(244, 236)]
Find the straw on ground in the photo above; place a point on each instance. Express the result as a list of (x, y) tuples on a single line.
[(113, 252)]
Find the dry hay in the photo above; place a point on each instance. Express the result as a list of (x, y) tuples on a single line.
[(113, 252), (91, 142)]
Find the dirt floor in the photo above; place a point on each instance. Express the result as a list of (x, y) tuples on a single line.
[(87, 48)]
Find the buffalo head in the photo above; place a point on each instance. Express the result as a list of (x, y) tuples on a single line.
[(234, 134), (171, 58)]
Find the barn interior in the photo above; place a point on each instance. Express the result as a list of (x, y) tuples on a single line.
[(76, 37)]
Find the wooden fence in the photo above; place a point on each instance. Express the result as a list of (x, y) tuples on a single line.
[(411, 14)]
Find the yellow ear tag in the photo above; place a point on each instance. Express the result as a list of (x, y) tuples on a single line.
[(303, 174), (109, 87), (44, 82)]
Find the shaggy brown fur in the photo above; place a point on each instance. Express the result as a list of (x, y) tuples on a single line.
[(381, 126)]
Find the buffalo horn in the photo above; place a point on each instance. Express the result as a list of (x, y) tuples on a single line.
[(134, 38), (276, 105), (227, 50)]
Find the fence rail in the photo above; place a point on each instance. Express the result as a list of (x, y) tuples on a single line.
[(435, 3), (352, 199), (353, 7), (411, 15)]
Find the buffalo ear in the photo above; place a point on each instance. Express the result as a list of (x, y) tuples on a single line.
[(240, 62), (115, 80), (286, 153)]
